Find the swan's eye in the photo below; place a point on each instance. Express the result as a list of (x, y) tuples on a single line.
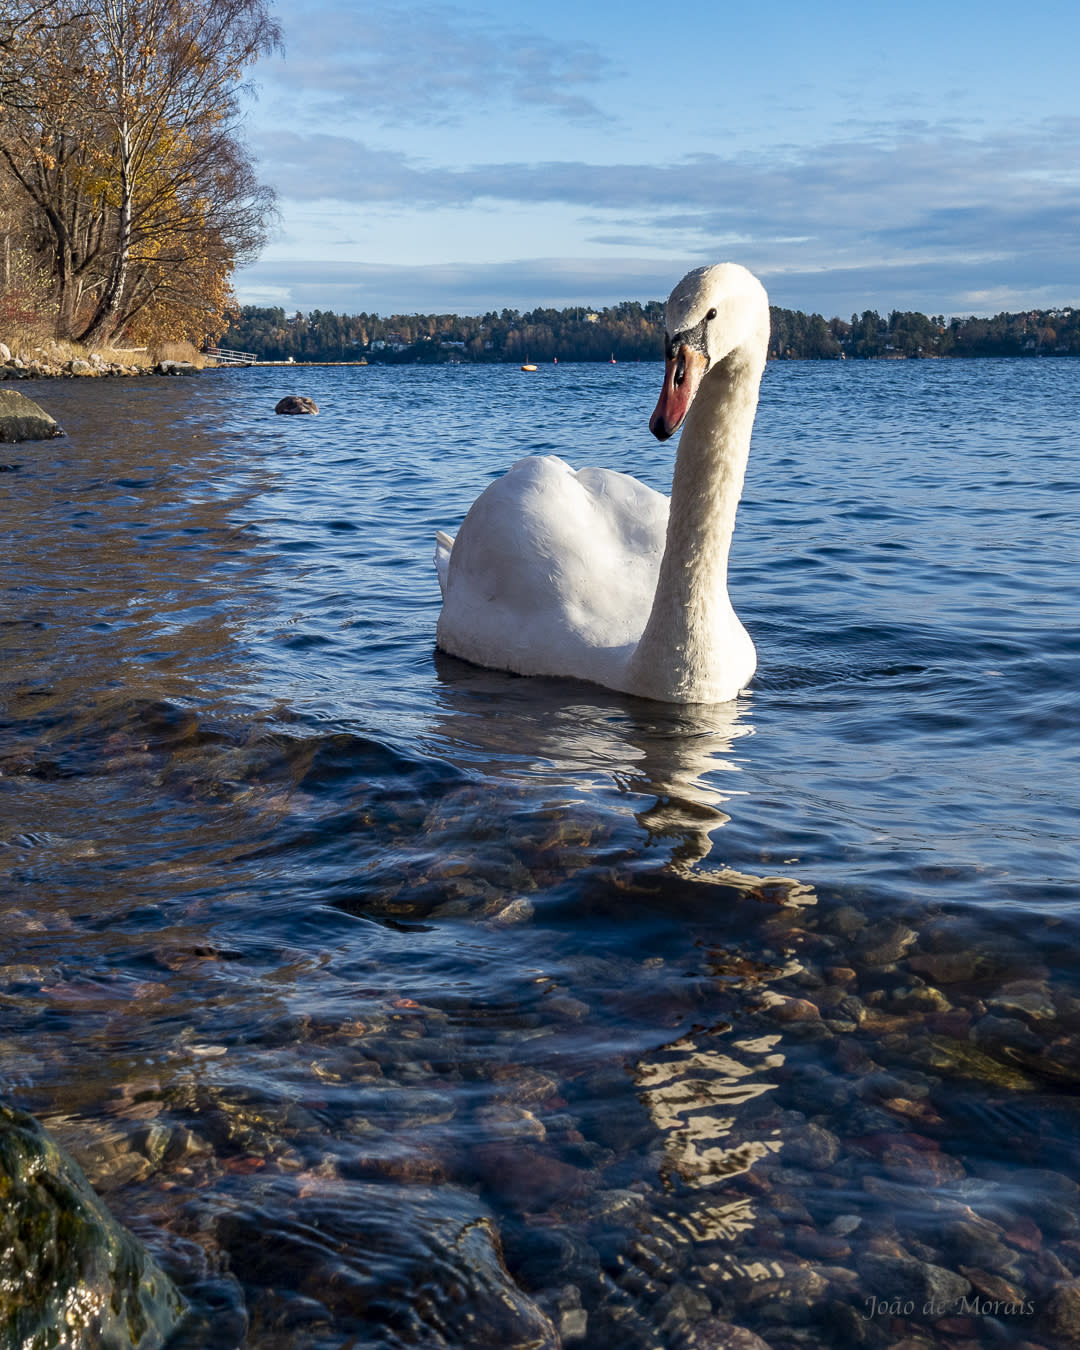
[(711, 314)]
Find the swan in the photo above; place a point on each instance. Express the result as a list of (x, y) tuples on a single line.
[(593, 575)]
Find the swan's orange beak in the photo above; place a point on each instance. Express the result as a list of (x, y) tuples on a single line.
[(682, 375)]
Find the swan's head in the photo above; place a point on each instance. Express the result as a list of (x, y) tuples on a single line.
[(712, 312)]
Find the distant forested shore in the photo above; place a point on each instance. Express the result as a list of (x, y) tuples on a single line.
[(634, 332)]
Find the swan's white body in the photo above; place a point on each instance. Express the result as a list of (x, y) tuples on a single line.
[(595, 576)]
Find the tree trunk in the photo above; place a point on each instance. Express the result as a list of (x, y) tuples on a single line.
[(65, 295), (103, 325)]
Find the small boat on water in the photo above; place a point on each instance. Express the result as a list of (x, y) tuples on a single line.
[(528, 366), (612, 362)]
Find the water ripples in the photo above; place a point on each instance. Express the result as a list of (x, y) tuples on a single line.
[(397, 1002)]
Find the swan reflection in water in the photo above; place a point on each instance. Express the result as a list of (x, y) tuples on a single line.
[(596, 741), (681, 760), (682, 765)]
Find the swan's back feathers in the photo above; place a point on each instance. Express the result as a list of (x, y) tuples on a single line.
[(553, 572)]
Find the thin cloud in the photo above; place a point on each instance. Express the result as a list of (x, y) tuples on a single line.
[(472, 288), (453, 287), (927, 196), (930, 169), (410, 64)]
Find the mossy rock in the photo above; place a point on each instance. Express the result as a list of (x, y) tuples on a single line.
[(70, 1277), (21, 419)]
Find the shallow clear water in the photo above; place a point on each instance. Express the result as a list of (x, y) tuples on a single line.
[(342, 965)]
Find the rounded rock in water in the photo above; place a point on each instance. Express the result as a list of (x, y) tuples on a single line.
[(21, 419), (295, 404), (67, 1260)]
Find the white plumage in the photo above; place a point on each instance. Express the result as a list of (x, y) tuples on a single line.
[(554, 571), (591, 574)]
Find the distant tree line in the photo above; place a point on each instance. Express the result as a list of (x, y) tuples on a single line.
[(629, 332), (632, 332), (1044, 332)]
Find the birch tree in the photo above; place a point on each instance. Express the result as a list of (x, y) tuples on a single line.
[(120, 121)]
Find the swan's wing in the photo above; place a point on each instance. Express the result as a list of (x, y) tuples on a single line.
[(553, 572), (443, 544)]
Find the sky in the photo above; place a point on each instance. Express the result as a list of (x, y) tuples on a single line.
[(438, 157)]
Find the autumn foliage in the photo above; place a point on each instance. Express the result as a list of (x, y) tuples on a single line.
[(127, 196)]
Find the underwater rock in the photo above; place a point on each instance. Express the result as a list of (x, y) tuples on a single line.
[(715, 1334), (792, 1298), (811, 1146), (1028, 998), (67, 1262), (527, 1178), (884, 942), (958, 1059), (541, 1257), (564, 1307), (993, 1286), (905, 1277), (1062, 1316), (523, 1086), (1002, 1035), (358, 1255), (785, 1009), (920, 1166), (817, 1246), (946, 967), (515, 911), (845, 921), (920, 998), (682, 1306), (979, 1244)]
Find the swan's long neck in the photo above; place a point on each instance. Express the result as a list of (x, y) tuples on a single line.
[(693, 647)]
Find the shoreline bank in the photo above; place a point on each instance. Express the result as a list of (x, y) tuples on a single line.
[(59, 361)]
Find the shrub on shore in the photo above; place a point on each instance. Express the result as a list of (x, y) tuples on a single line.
[(178, 351)]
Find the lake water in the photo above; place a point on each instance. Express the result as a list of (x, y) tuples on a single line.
[(398, 1003)]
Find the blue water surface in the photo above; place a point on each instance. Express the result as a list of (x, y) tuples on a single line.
[(664, 999)]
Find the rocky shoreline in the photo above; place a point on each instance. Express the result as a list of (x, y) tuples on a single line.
[(44, 365)]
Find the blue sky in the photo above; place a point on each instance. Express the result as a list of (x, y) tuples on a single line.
[(463, 157)]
